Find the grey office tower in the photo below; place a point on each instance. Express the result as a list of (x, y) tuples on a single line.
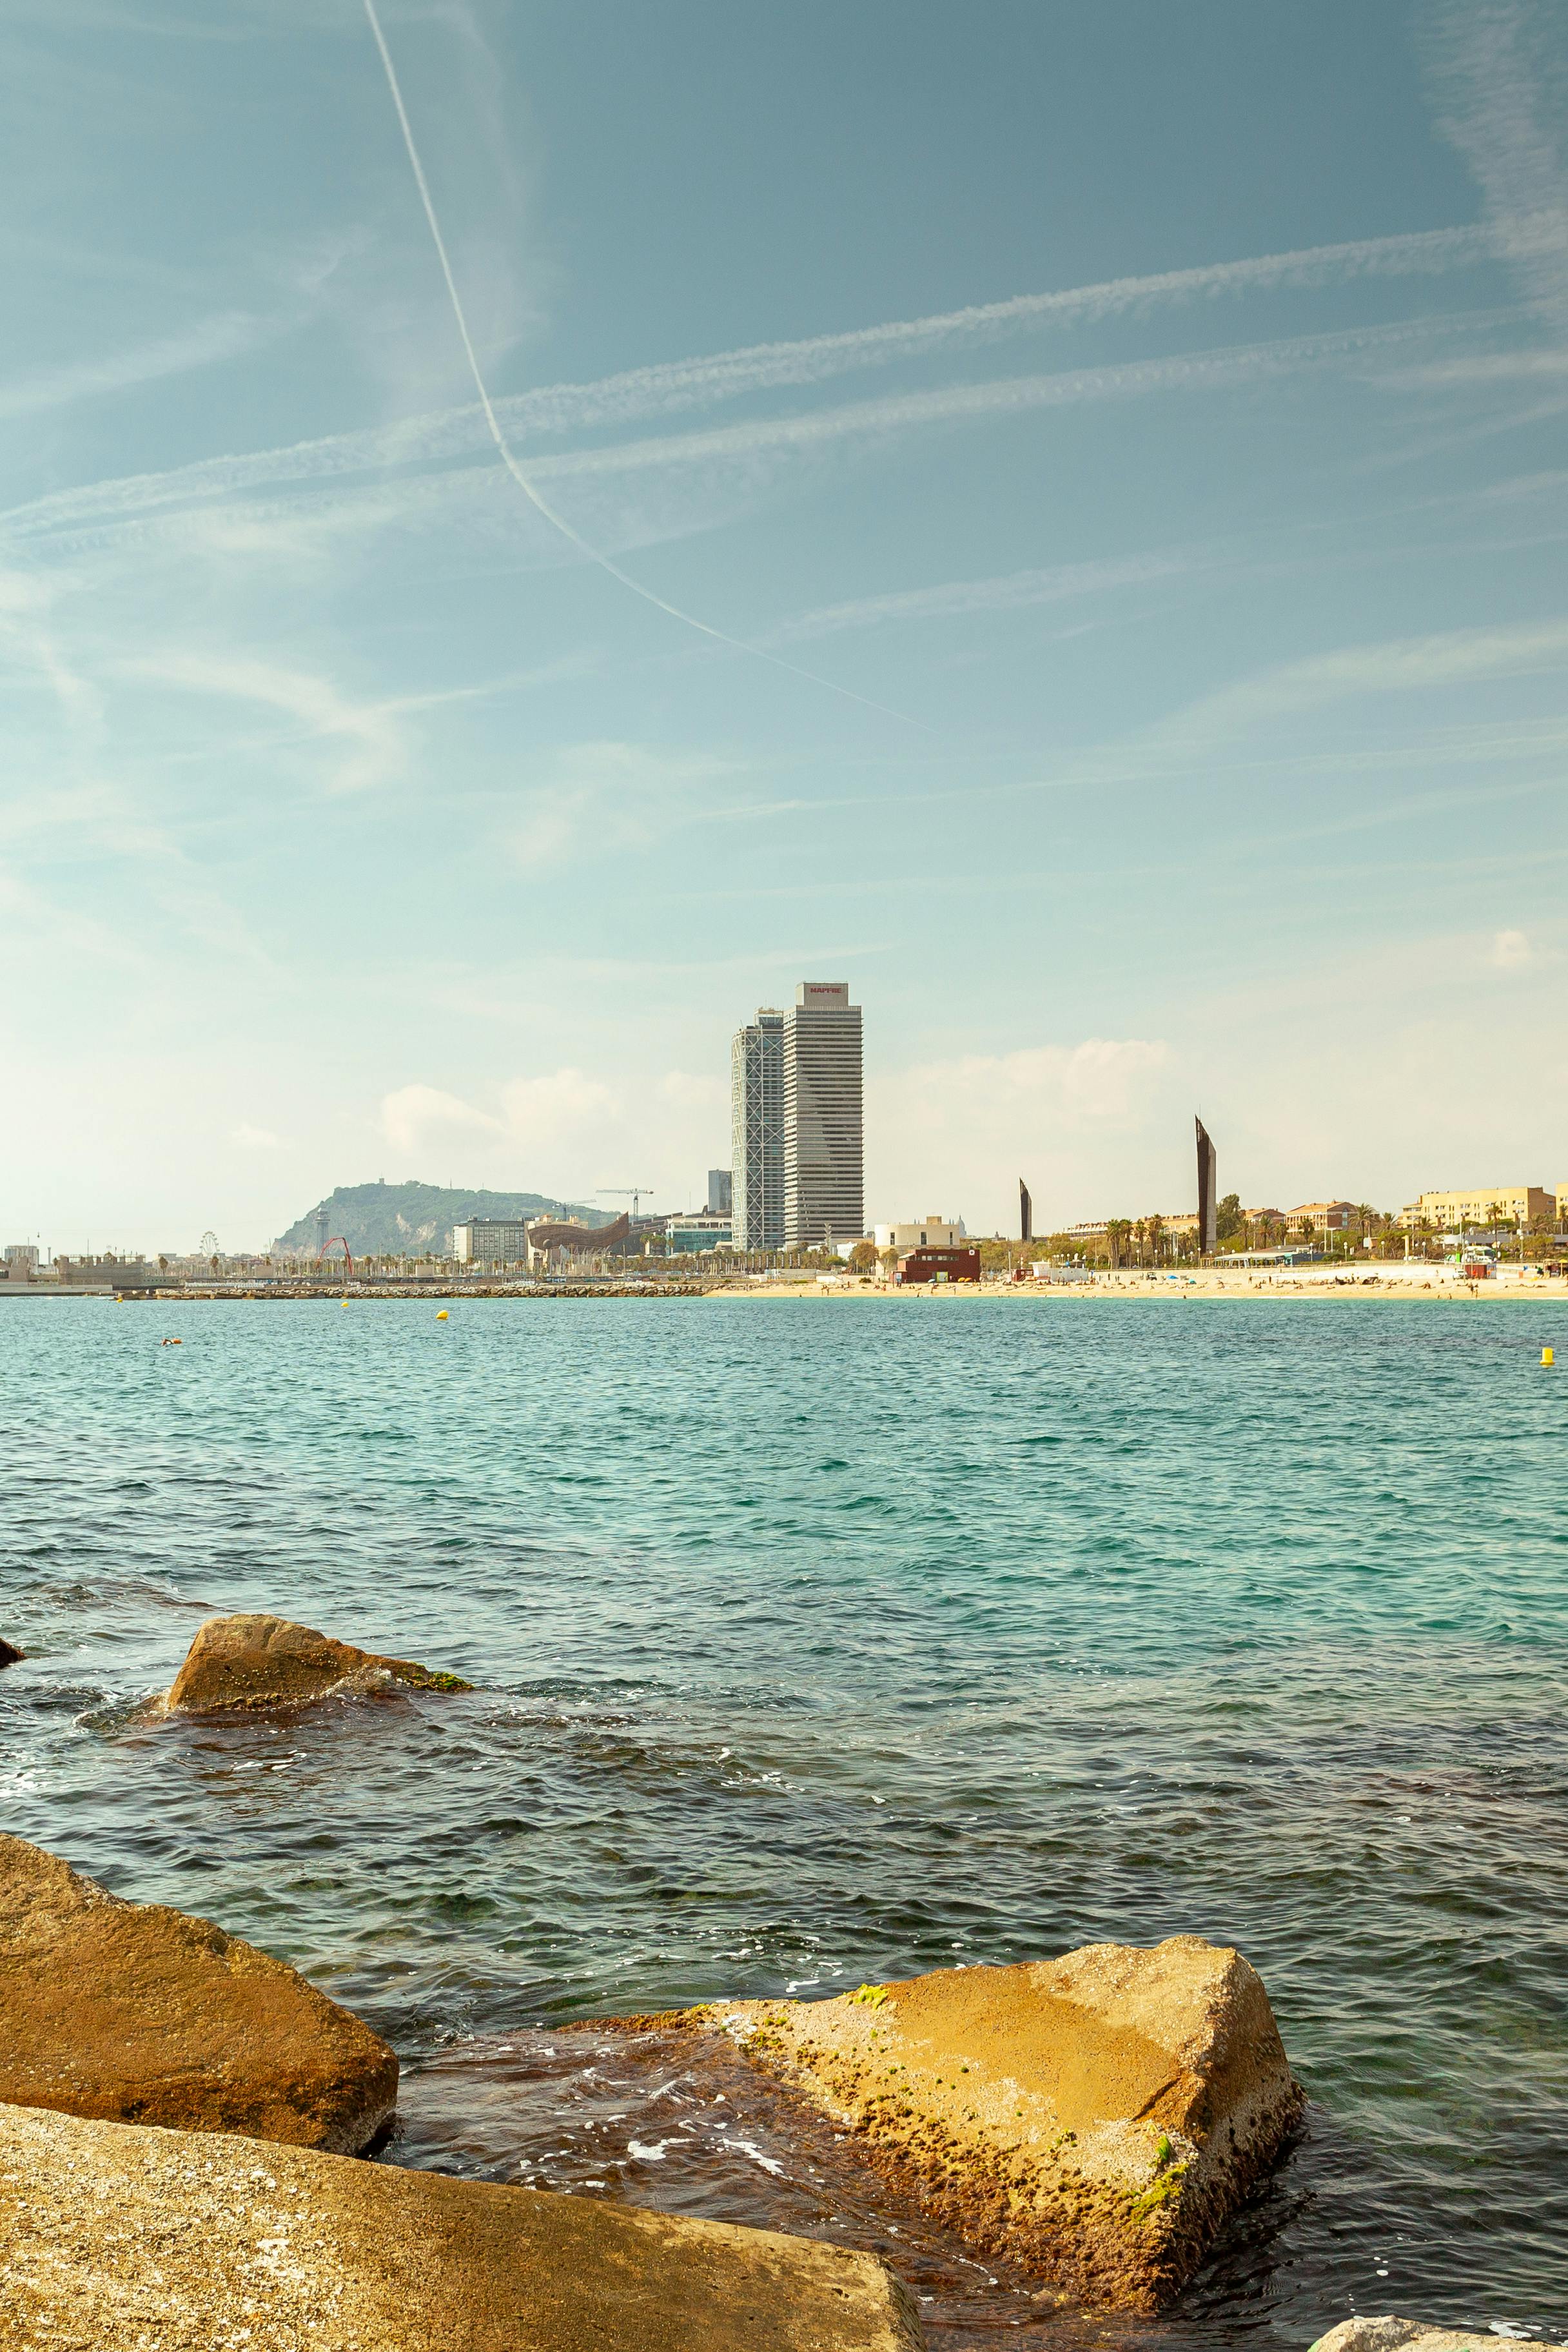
[(824, 1131)]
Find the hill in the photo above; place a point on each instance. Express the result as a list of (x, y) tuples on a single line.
[(404, 1219)]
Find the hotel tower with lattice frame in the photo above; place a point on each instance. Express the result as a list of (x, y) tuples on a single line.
[(757, 1133)]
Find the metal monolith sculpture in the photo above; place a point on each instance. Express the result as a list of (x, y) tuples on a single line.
[(1208, 1191)]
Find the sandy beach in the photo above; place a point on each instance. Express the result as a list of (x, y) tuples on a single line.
[(1419, 1284)]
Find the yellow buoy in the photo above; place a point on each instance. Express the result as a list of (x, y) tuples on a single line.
[(442, 1316), (343, 1302), (1547, 1355)]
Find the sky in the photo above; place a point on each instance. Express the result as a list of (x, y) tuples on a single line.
[(1053, 515)]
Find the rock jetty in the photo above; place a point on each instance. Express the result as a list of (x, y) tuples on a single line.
[(255, 1662), (119, 2236), (1417, 2336), (139, 2014), (10, 1654), (1096, 2117)]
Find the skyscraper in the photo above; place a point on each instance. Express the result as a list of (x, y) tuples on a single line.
[(757, 1133), (823, 1133)]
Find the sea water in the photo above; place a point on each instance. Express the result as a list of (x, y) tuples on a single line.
[(820, 1642)]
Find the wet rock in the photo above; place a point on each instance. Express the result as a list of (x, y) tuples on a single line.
[(1095, 2117), (1417, 2336), (257, 1662), (136, 2013), (116, 2236), (10, 1654)]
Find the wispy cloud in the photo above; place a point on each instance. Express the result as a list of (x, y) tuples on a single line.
[(681, 384), (377, 750), (221, 337), (1501, 76), (606, 795), (1404, 664), (1010, 592), (188, 496)]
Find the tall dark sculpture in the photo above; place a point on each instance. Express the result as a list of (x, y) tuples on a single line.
[(1026, 1213), (1208, 1191)]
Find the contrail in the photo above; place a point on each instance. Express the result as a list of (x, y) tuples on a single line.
[(568, 530)]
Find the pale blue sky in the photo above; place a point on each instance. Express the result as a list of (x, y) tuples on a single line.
[(1153, 415)]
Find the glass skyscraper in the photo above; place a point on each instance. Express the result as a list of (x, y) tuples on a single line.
[(797, 1132), (757, 1133)]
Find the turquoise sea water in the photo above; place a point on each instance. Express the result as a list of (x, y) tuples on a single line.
[(818, 1643)]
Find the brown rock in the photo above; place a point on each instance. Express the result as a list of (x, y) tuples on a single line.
[(10, 1654), (118, 2237), (139, 2014), (259, 1662), (1415, 2336), (1095, 2117)]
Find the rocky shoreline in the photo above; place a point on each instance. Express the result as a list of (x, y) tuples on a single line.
[(184, 2123)]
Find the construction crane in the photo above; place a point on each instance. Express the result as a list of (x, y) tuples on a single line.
[(632, 1193)]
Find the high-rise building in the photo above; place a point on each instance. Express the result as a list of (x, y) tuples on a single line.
[(721, 1192), (824, 1131), (1208, 1192), (757, 1133)]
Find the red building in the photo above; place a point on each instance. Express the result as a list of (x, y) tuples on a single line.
[(931, 1265)]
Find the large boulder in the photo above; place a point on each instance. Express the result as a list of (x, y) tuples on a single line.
[(255, 1661), (119, 2236), (1417, 2336), (10, 1654), (139, 2014), (1095, 2117)]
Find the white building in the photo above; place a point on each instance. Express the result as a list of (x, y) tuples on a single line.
[(824, 1127), (931, 1233), (490, 1241)]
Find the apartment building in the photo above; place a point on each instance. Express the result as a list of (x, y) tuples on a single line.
[(1483, 1205)]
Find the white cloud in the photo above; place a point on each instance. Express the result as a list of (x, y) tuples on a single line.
[(563, 1119), (1072, 1119), (1510, 951), (689, 1092), (416, 1117), (256, 1139)]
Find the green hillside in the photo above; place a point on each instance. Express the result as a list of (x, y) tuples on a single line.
[(405, 1220)]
